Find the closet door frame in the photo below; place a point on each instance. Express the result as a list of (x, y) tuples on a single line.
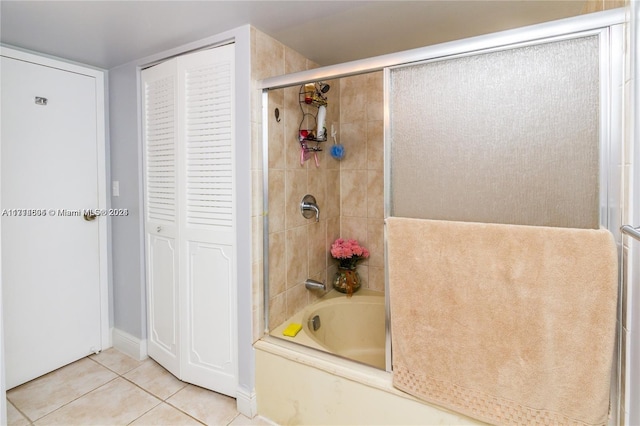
[(181, 358)]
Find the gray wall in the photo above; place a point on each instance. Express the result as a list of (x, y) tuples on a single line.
[(127, 238)]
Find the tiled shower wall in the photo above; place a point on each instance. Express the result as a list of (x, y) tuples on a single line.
[(348, 192), (271, 58), (362, 171), (298, 246)]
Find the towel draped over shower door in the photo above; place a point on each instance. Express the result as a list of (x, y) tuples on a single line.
[(508, 324)]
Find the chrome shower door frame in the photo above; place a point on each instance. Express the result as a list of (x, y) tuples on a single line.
[(609, 26)]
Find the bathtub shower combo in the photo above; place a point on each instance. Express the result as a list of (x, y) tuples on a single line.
[(518, 130)]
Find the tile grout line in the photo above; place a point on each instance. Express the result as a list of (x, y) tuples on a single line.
[(32, 422), (160, 400), (19, 411), (122, 375), (75, 399)]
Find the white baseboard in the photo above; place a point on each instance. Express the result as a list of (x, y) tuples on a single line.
[(247, 403), (130, 345)]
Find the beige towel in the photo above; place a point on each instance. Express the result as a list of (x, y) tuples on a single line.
[(507, 324)]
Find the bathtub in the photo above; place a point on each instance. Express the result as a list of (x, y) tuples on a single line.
[(352, 328), (335, 374)]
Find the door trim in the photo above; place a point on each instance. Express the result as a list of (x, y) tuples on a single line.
[(103, 201)]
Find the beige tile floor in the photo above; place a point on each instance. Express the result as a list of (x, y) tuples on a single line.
[(111, 388)]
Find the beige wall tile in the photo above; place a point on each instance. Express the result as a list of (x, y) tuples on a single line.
[(297, 257), (354, 140), (375, 96), (257, 239), (277, 310), (375, 145), (375, 194), (333, 233), (293, 61), (277, 263), (256, 103), (346, 193), (375, 242), (257, 287), (268, 57), (256, 193), (317, 236), (353, 99), (354, 227), (276, 130), (314, 295), (256, 146), (600, 5), (376, 278), (317, 186), (296, 189), (296, 299), (258, 323), (363, 271), (332, 203), (353, 193), (276, 212)]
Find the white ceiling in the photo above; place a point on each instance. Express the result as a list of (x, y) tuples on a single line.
[(106, 34)]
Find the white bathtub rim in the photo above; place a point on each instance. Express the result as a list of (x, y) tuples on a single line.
[(330, 363), (341, 367)]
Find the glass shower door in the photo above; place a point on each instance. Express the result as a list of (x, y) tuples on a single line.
[(509, 136)]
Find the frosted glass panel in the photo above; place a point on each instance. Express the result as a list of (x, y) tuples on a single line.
[(503, 137)]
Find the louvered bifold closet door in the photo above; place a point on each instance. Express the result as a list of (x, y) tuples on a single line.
[(160, 134), (207, 218)]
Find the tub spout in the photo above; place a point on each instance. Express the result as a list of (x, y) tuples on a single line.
[(314, 285)]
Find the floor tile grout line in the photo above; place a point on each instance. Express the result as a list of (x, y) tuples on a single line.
[(166, 400), (68, 402), (75, 399), (114, 371), (20, 411), (183, 412), (150, 409), (118, 375), (232, 420)]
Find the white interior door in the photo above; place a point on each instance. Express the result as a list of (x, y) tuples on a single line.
[(50, 253)]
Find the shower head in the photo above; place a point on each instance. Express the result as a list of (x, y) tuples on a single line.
[(324, 87)]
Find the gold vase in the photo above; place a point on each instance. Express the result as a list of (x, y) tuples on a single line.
[(347, 280)]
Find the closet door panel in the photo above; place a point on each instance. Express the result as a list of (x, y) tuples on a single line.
[(210, 328), (163, 296), (207, 218), (161, 213)]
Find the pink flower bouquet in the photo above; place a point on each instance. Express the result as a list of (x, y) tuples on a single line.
[(348, 252)]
